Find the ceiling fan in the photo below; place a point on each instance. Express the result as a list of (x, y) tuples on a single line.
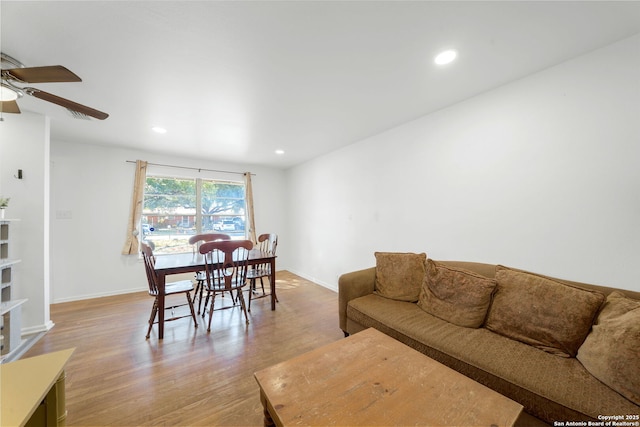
[(18, 73)]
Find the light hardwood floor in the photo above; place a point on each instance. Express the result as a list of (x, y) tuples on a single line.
[(191, 378)]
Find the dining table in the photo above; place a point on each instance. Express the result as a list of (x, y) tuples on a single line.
[(188, 262)]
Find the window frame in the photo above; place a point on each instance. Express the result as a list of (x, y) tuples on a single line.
[(199, 214)]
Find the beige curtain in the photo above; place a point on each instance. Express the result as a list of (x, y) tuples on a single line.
[(132, 242), (251, 223)]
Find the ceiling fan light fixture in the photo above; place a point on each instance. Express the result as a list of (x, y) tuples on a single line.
[(7, 94)]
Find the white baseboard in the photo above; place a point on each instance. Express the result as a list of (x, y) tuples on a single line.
[(329, 286), (27, 341), (37, 329), (99, 295)]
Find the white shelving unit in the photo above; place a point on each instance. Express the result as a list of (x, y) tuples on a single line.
[(10, 308)]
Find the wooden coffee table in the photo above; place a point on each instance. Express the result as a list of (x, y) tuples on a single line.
[(371, 379)]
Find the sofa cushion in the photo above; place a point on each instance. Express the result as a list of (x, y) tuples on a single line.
[(399, 275), (551, 388), (456, 295), (542, 312), (610, 351)]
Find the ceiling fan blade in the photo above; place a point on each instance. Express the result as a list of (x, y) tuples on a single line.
[(9, 107), (74, 106), (49, 74)]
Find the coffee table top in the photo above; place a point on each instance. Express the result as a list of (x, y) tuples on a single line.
[(371, 379)]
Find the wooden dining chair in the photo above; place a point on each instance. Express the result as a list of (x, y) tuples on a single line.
[(267, 243), (196, 241), (226, 270), (172, 288)]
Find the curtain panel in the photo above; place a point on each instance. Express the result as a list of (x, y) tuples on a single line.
[(249, 201), (132, 242)]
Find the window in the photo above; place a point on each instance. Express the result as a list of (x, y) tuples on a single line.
[(177, 208)]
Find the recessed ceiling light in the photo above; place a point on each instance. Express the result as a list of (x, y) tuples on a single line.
[(159, 129), (279, 151), (445, 57)]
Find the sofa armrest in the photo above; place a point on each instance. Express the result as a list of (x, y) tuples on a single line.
[(354, 285)]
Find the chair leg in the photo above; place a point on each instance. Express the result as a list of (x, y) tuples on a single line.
[(152, 318), (252, 284), (242, 304), (195, 291), (213, 298), (195, 288), (206, 302), (193, 313), (200, 287), (274, 294), (222, 294)]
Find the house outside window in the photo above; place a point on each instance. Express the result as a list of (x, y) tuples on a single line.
[(177, 208)]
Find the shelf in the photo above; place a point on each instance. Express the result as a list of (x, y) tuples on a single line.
[(10, 307), (7, 306), (4, 231), (5, 274)]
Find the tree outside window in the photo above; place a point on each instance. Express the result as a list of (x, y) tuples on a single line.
[(177, 208)]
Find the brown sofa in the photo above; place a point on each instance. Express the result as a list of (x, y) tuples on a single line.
[(500, 349)]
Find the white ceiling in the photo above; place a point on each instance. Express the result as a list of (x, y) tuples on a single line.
[(234, 81)]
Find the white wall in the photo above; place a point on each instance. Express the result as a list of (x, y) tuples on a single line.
[(92, 184), (540, 174), (24, 144)]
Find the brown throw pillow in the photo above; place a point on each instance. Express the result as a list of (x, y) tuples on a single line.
[(611, 351), (542, 312), (458, 296), (399, 275)]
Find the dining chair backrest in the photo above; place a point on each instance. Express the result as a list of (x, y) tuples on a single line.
[(181, 287), (149, 266), (208, 237), (226, 262), (268, 243), (198, 239)]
